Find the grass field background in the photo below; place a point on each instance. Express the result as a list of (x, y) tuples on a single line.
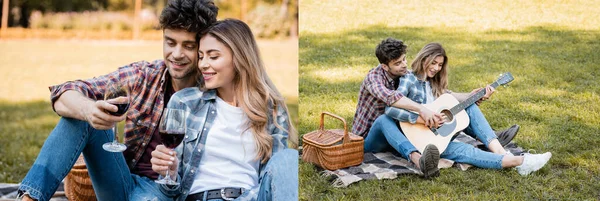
[(28, 67), (550, 47)]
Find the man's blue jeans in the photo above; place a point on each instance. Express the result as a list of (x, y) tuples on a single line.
[(385, 134), (108, 171)]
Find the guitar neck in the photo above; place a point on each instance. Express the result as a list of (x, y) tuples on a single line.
[(472, 99)]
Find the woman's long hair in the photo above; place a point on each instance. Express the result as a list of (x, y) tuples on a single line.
[(256, 94), (439, 82)]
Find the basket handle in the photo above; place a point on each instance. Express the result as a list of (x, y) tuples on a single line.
[(322, 127)]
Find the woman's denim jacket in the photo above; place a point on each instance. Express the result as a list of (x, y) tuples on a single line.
[(200, 109)]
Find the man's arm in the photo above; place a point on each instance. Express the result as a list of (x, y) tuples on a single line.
[(77, 99), (75, 105)]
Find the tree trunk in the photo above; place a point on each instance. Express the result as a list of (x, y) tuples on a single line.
[(136, 19), (243, 9), (4, 18)]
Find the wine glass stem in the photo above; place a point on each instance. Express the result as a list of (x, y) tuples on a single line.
[(116, 131), (168, 177)]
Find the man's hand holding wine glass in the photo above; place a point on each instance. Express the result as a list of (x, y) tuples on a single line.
[(97, 114), (116, 104)]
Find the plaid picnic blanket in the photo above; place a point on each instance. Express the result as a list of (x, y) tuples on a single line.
[(8, 191), (387, 165)]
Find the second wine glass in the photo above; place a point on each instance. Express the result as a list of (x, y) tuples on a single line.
[(172, 130)]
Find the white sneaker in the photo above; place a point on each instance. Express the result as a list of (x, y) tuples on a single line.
[(533, 162)]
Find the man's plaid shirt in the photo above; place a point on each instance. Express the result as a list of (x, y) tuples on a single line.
[(376, 92), (201, 111), (146, 83)]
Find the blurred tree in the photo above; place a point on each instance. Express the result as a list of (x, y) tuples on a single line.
[(120, 5), (155, 5), (4, 21), (25, 7), (268, 18), (136, 22)]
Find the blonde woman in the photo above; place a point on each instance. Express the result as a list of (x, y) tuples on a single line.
[(238, 126), (429, 80)]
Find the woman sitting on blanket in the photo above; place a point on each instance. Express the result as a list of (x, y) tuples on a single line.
[(238, 125), (429, 80)]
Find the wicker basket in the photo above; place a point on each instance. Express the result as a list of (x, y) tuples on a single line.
[(332, 149), (78, 185)]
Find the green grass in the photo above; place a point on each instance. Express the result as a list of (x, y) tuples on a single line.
[(29, 66), (554, 96)]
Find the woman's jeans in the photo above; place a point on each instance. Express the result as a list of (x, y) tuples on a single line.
[(280, 181), (385, 134), (108, 171)]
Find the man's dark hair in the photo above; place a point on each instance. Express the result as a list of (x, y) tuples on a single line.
[(389, 49), (190, 15)]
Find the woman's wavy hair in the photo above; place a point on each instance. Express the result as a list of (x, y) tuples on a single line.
[(439, 82), (257, 96)]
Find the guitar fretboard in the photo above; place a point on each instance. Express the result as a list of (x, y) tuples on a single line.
[(472, 99)]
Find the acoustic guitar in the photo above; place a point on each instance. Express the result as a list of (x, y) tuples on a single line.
[(456, 119)]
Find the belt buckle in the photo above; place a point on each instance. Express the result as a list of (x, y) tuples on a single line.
[(223, 195)]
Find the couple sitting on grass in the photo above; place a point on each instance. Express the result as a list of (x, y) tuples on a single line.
[(235, 144), (391, 93)]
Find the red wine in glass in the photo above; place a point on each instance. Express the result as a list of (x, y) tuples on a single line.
[(122, 109), (171, 138), (171, 130)]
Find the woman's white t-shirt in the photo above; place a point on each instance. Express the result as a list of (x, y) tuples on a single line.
[(229, 158), (428, 93)]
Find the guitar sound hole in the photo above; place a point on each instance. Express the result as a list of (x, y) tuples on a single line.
[(449, 115)]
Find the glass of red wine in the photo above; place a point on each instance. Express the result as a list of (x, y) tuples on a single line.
[(172, 130), (118, 95)]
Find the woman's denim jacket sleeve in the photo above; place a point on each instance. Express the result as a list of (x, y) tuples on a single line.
[(413, 89)]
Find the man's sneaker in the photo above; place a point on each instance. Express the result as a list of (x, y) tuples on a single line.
[(429, 161), (533, 162)]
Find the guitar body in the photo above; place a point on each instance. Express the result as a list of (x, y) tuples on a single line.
[(420, 135)]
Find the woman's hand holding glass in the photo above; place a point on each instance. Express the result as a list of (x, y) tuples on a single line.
[(164, 158), (171, 129)]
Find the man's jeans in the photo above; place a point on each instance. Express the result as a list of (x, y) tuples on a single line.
[(108, 171), (385, 134)]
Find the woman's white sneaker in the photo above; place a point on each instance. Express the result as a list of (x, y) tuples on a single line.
[(533, 162)]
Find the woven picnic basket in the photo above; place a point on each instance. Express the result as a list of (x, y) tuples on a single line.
[(334, 148), (78, 185)]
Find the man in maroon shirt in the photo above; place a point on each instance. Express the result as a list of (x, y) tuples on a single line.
[(85, 123)]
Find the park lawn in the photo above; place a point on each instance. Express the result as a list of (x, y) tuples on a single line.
[(29, 66), (554, 96)]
